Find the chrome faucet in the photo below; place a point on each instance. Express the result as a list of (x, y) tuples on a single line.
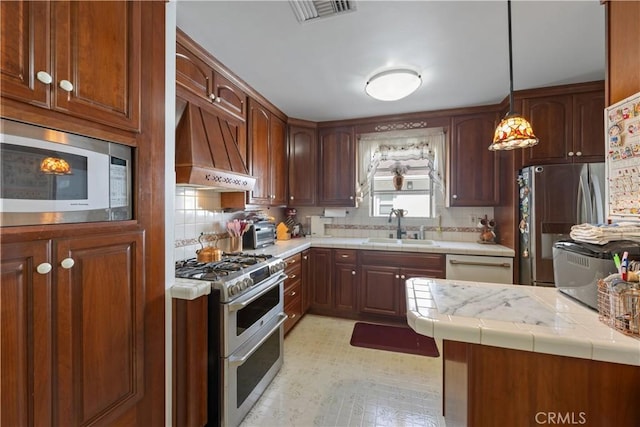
[(399, 213)]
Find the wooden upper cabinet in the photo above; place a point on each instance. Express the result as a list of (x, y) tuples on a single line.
[(337, 150), (78, 58), (268, 156), (24, 51), (302, 166), (473, 168), (570, 128), (196, 72)]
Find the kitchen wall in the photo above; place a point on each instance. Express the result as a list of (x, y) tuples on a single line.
[(199, 211)]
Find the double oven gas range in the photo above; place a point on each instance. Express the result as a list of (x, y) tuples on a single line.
[(245, 329)]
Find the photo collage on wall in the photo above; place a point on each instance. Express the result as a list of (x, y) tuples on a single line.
[(623, 156)]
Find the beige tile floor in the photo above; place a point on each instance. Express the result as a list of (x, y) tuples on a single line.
[(327, 382)]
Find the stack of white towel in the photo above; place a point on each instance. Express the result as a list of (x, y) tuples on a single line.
[(605, 233)]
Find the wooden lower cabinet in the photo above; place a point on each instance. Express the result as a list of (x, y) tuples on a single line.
[(494, 386), (72, 329), (354, 283), (293, 291), (383, 277)]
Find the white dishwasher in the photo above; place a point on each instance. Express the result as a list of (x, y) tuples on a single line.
[(479, 268)]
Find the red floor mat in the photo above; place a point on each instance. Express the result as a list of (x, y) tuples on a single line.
[(393, 338)]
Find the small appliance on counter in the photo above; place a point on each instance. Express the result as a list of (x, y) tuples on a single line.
[(577, 266), (259, 235)]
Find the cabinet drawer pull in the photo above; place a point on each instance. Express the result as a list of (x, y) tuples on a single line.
[(292, 316), (483, 264), (44, 77), (293, 276), (43, 268), (291, 261), (293, 293), (67, 263), (66, 85), (305, 257), (344, 256)]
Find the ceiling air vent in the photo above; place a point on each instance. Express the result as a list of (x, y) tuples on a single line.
[(306, 10)]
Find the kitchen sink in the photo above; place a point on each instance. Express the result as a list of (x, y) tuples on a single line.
[(390, 241)]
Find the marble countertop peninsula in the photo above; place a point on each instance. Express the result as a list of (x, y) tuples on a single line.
[(529, 318)]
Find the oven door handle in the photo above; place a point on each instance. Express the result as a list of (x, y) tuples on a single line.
[(239, 360), (235, 306)]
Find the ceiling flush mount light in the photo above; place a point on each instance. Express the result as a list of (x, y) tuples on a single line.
[(514, 131), (392, 85)]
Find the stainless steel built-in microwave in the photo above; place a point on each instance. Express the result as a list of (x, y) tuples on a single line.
[(52, 177)]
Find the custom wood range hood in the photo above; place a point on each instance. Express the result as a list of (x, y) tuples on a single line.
[(208, 154)]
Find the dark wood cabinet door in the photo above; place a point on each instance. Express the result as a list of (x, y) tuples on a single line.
[(98, 333), (306, 280), (24, 51), (302, 166), (380, 290), (345, 286), (474, 171), (26, 377), (96, 51), (228, 96), (321, 278), (337, 167), (551, 119), (588, 127), (192, 72), (278, 161), (259, 153)]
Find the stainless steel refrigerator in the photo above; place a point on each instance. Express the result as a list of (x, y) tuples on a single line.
[(552, 199)]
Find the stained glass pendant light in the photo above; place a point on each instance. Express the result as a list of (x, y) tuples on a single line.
[(514, 131)]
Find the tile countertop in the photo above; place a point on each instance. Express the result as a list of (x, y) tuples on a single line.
[(517, 317), (285, 248)]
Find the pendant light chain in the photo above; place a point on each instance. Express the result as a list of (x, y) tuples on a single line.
[(510, 60)]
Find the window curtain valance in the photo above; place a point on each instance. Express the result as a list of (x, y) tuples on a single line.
[(416, 144)]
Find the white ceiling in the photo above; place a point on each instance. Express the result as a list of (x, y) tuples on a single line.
[(317, 70)]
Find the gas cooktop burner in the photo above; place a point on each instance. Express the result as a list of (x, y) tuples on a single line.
[(218, 270)]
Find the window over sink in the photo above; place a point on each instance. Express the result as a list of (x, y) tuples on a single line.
[(402, 170)]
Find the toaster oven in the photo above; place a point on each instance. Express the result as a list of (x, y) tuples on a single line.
[(259, 235)]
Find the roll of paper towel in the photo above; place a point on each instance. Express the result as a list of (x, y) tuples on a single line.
[(335, 213)]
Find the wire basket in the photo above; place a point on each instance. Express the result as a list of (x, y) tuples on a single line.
[(620, 311)]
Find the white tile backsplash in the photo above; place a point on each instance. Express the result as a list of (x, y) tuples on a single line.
[(198, 210)]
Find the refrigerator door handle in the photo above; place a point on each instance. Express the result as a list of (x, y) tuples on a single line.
[(597, 199), (583, 208)]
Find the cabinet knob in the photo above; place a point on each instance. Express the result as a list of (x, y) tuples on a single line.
[(292, 261), (293, 315), (66, 85), (455, 196), (290, 197), (212, 96), (44, 77), (397, 276), (293, 293), (350, 197), (353, 272), (402, 276), (43, 268), (578, 153), (305, 257), (570, 153), (67, 263)]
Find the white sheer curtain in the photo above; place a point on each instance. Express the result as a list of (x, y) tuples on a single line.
[(415, 144)]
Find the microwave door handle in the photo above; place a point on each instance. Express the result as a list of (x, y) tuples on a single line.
[(239, 360)]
